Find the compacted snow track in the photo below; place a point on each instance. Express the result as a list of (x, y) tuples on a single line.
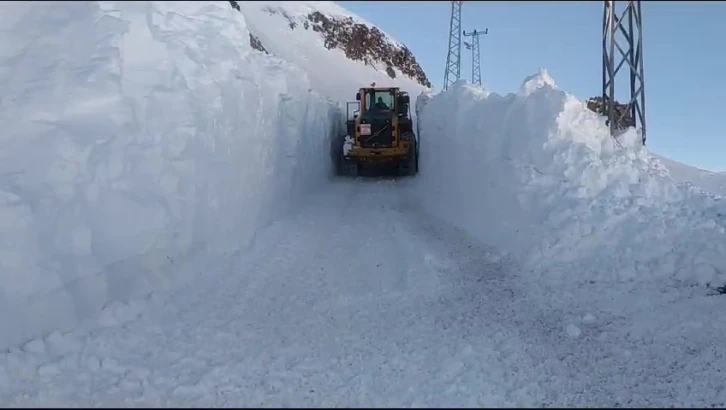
[(355, 299), (352, 301)]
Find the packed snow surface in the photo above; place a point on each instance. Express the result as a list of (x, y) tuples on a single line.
[(359, 299)]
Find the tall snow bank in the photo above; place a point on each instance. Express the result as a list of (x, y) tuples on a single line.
[(135, 136), (537, 174)]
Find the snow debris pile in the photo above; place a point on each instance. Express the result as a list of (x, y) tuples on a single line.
[(537, 174), (535, 82), (135, 136)]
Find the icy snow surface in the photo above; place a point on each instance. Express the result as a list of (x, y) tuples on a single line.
[(533, 262)]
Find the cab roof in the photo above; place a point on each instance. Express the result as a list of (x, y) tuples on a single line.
[(379, 88)]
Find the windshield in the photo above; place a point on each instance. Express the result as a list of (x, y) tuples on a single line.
[(379, 100)]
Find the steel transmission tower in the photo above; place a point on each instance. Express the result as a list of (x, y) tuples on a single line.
[(475, 59), (628, 23), (453, 58)]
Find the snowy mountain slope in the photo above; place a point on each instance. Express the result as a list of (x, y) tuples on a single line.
[(537, 174), (139, 139), (288, 30), (714, 182)]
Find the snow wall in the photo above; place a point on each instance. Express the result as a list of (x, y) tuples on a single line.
[(137, 138), (537, 174)]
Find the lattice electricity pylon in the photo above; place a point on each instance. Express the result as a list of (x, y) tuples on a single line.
[(629, 24), (475, 58), (453, 57)]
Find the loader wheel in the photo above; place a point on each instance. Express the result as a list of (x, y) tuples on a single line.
[(348, 168), (409, 167)]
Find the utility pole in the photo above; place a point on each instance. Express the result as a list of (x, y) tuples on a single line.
[(627, 22), (453, 57), (475, 57)]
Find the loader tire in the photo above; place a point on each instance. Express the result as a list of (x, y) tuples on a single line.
[(409, 167), (348, 168)]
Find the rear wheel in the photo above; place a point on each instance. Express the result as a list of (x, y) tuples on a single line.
[(409, 166)]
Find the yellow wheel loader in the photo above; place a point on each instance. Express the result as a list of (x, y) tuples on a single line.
[(379, 133)]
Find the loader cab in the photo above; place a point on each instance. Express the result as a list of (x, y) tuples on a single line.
[(379, 106), (383, 101), (380, 101)]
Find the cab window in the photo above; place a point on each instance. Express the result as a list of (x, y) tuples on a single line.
[(379, 100)]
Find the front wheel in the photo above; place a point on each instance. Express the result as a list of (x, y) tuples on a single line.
[(349, 168)]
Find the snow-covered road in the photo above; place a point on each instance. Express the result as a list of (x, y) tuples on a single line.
[(355, 299), (148, 147)]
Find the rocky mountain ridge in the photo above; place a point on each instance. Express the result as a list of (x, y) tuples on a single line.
[(359, 41)]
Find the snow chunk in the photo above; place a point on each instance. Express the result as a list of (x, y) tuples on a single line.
[(348, 144), (573, 331), (49, 369), (536, 81), (36, 346)]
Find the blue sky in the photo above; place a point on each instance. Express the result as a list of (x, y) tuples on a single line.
[(683, 49)]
